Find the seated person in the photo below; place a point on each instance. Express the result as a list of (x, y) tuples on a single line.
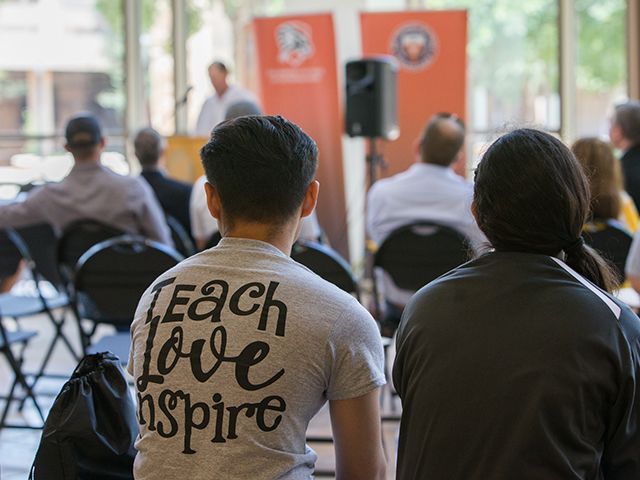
[(520, 364), (173, 195), (609, 201), (90, 191), (428, 190), (221, 343)]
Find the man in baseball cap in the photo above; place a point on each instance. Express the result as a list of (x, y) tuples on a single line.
[(90, 192), (83, 130)]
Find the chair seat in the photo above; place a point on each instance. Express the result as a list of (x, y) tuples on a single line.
[(119, 344), (19, 336), (20, 306)]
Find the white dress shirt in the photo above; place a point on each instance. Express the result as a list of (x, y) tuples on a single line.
[(422, 192), (215, 107)]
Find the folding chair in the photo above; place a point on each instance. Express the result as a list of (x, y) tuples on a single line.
[(214, 240), (326, 263), (414, 255), (35, 245), (612, 240), (329, 265), (110, 279), (77, 238), (181, 239), (7, 340)]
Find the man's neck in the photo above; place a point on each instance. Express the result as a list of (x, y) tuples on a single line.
[(87, 161), (281, 237), (624, 145), (222, 90)]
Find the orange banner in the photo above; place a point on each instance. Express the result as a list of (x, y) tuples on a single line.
[(430, 48), (296, 63)]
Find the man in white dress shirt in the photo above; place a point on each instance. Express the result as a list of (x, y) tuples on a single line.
[(429, 190), (215, 107)]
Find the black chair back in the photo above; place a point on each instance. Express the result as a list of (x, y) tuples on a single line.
[(77, 238), (326, 263), (34, 243), (612, 241), (112, 276), (214, 240), (10, 256), (181, 239), (418, 253)]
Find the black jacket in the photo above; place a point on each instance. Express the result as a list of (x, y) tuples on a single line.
[(631, 171), (172, 195), (513, 366)]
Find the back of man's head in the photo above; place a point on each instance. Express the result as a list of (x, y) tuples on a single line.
[(84, 137), (261, 167), (219, 66), (242, 109), (442, 139), (149, 146), (627, 117)]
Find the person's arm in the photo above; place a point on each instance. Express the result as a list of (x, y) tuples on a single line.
[(632, 265), (28, 212), (357, 437), (203, 225), (204, 124), (620, 458)]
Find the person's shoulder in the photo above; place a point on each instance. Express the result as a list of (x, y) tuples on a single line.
[(178, 185), (380, 187)]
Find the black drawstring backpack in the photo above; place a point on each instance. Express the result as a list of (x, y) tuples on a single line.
[(90, 430)]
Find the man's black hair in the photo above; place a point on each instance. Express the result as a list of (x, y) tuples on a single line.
[(261, 167)]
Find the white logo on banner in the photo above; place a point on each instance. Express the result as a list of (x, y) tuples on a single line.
[(294, 43)]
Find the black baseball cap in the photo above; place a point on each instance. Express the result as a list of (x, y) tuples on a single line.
[(83, 130)]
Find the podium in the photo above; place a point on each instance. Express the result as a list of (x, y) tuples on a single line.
[(182, 158)]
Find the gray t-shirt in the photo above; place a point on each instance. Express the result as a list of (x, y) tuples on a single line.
[(234, 351)]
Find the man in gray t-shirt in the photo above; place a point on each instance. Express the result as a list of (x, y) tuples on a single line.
[(238, 347)]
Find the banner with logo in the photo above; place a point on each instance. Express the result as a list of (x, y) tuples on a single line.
[(430, 48), (296, 67)]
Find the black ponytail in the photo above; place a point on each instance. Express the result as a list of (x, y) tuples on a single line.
[(588, 263), (531, 196)]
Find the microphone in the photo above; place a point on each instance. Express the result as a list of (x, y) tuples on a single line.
[(185, 97)]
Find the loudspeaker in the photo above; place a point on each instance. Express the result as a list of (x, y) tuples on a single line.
[(371, 98)]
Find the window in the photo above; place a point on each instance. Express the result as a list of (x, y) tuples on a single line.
[(58, 57), (601, 70)]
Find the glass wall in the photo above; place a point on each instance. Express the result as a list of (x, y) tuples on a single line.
[(156, 51), (513, 70), (601, 70), (58, 57), (61, 56)]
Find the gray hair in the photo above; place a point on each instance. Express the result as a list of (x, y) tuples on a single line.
[(148, 146), (627, 117), (242, 109)]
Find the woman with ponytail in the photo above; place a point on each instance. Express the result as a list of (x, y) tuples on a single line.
[(519, 364)]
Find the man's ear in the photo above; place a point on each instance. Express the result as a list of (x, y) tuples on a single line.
[(474, 210), (417, 154), (310, 198), (213, 200)]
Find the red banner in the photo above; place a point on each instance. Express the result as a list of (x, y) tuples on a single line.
[(296, 63), (430, 48)]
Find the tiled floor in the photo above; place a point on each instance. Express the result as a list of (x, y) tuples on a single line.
[(18, 446)]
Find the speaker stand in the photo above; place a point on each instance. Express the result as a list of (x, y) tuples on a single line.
[(374, 160)]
